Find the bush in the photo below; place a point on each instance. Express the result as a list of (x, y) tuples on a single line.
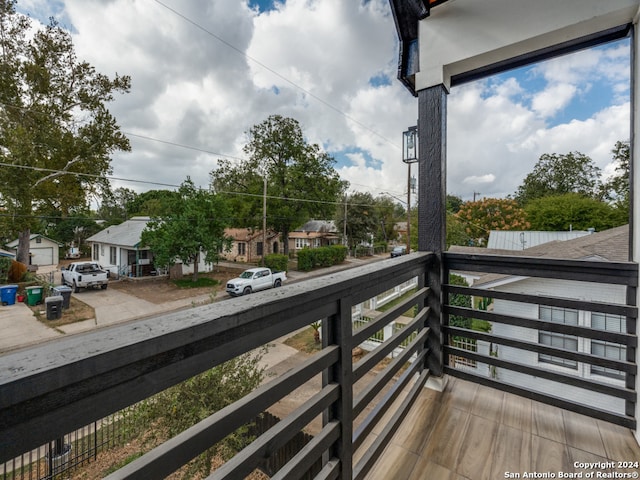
[(5, 265), (309, 258), (277, 262), (16, 272)]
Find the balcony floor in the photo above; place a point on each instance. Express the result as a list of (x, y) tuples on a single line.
[(474, 432)]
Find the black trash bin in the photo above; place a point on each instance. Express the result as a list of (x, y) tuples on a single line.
[(54, 307), (65, 293)]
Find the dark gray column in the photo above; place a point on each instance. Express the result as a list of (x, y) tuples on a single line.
[(432, 137)]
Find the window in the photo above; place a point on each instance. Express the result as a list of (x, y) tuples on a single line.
[(558, 340), (38, 240), (242, 248), (260, 248), (301, 243), (112, 256), (96, 252), (614, 351)]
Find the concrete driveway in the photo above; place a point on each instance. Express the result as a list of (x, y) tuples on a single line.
[(20, 327)]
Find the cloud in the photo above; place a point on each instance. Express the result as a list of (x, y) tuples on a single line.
[(204, 72)]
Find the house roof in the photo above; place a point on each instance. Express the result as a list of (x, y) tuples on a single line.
[(320, 226), (609, 245), (5, 253), (33, 236), (246, 234), (514, 240), (127, 234)]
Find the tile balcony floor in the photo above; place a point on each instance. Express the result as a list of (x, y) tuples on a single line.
[(475, 432)]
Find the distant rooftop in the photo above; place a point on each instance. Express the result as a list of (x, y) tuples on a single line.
[(513, 240)]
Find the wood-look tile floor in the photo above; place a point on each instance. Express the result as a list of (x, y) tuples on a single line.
[(478, 433)]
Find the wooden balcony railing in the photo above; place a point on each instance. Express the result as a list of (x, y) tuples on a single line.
[(49, 390), (566, 368)]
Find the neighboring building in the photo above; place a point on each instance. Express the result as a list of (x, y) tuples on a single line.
[(117, 249), (6, 253), (248, 244), (513, 240), (609, 245), (42, 250), (314, 234)]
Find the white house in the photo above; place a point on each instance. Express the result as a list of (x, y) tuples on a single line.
[(42, 250), (609, 245), (117, 248)]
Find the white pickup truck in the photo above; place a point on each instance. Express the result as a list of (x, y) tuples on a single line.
[(253, 280), (85, 274)]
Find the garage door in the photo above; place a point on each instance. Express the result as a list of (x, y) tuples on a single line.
[(42, 256)]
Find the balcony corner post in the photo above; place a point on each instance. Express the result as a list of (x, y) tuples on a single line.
[(432, 137)]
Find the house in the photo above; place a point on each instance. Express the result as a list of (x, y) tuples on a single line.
[(314, 234), (247, 244), (6, 253), (607, 246), (42, 250), (117, 248)]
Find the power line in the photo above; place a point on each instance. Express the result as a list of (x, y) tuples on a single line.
[(279, 75)]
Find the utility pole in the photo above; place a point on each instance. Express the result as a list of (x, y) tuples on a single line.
[(474, 195), (264, 218)]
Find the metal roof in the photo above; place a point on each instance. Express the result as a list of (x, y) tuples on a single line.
[(513, 240), (127, 234)]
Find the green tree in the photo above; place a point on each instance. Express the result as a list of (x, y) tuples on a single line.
[(152, 203), (559, 174), (194, 225), (56, 134), (301, 180), (74, 229), (456, 231), (113, 209), (616, 189), (385, 213), (361, 219), (482, 216), (458, 300), (571, 211)]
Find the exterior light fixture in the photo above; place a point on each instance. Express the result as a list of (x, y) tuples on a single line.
[(409, 156), (410, 145)]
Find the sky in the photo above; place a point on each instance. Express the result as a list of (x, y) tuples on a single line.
[(205, 71)]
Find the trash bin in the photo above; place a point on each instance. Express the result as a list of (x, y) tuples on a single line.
[(34, 295), (8, 294), (65, 293), (54, 307)]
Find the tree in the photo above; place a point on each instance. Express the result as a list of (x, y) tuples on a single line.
[(616, 188), (385, 214), (571, 211), (361, 219), (482, 216), (151, 203), (194, 225), (301, 180), (113, 209), (55, 130), (559, 174)]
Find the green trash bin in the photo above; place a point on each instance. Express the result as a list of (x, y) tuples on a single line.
[(34, 295)]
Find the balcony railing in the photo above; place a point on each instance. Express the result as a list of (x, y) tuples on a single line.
[(55, 388)]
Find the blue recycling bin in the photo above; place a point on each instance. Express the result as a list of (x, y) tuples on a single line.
[(8, 294)]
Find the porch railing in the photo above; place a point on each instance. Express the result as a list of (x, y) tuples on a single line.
[(51, 389), (563, 361)]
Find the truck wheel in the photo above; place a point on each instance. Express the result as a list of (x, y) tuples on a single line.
[(76, 288), (104, 286), (246, 291), (277, 283)]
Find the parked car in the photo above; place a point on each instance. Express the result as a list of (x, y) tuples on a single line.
[(397, 251), (253, 280), (85, 274)]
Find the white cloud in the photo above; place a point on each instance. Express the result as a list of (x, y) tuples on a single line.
[(196, 81)]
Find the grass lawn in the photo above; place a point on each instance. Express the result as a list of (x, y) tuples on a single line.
[(202, 282)]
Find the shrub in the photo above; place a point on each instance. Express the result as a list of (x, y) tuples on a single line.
[(16, 272), (277, 262), (5, 265), (305, 260)]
